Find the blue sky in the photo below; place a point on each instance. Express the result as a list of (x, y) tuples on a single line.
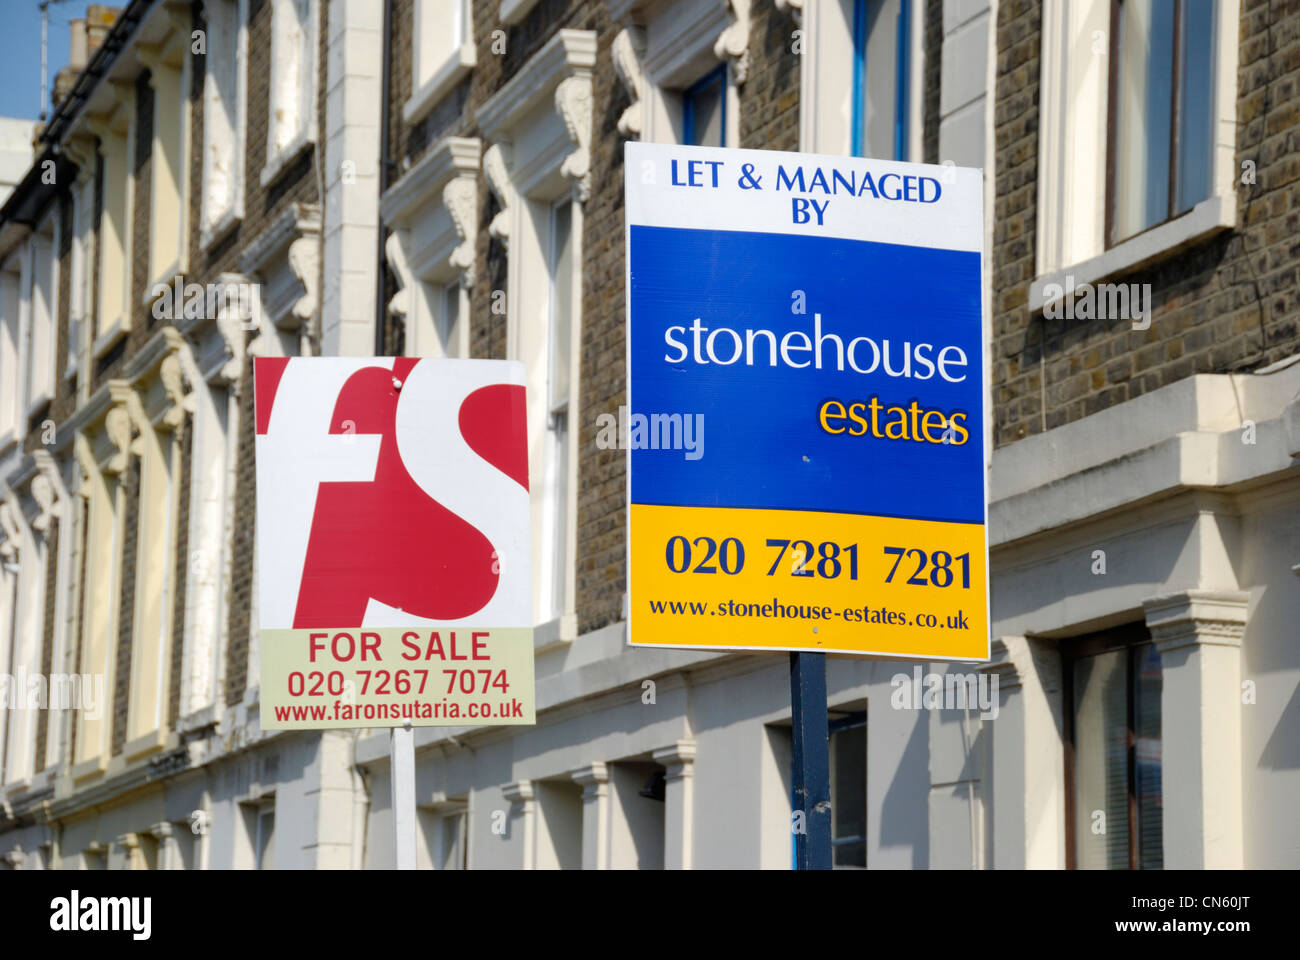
[(20, 51)]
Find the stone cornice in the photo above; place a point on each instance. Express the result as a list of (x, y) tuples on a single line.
[(521, 791), (570, 53), (299, 220), (1197, 617), (596, 772), (451, 157), (678, 757)]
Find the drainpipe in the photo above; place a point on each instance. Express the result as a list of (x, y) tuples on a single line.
[(386, 78)]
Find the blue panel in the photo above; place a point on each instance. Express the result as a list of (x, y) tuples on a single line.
[(758, 448)]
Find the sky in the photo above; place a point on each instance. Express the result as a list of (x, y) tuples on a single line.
[(20, 51)]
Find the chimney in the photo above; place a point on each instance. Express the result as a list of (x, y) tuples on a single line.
[(85, 36), (99, 20), (77, 55)]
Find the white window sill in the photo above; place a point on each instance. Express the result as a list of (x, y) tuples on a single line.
[(86, 769), (165, 278), (512, 11), (283, 158), (213, 233), (1207, 218), (107, 340), (554, 633), (460, 63), (142, 746)]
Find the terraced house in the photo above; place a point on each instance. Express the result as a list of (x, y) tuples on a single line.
[(444, 178)]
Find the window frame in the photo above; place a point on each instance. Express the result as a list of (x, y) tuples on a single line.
[(1131, 638), (1175, 120), (431, 83), (850, 721), (215, 221), (1073, 181), (719, 75), (903, 43), (280, 154)]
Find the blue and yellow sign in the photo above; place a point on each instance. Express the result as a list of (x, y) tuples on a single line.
[(805, 420)]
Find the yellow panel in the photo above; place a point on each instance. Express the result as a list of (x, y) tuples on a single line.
[(839, 599)]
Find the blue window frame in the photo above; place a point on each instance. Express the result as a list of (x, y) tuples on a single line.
[(881, 67), (704, 110)]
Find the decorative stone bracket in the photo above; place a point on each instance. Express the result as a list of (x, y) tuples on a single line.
[(47, 490), (629, 45), (573, 102), (733, 43), (460, 197), (495, 170)]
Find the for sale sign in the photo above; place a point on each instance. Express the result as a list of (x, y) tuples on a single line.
[(393, 543), (807, 386)]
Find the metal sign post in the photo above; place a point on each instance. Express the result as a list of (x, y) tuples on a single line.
[(402, 759), (812, 768)]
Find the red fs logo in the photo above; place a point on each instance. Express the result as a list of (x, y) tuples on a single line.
[(391, 492)]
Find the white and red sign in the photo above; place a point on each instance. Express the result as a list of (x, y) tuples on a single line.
[(394, 577)]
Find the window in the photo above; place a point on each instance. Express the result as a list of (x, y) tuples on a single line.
[(560, 268), (292, 123), (104, 506), (116, 190), (10, 281), (1114, 796), (848, 762), (79, 299), (449, 325), (445, 829), (1161, 111), (259, 820), (159, 454), (223, 117), (881, 43), (41, 318), (704, 110), (537, 166), (1137, 135), (168, 180), (442, 53)]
